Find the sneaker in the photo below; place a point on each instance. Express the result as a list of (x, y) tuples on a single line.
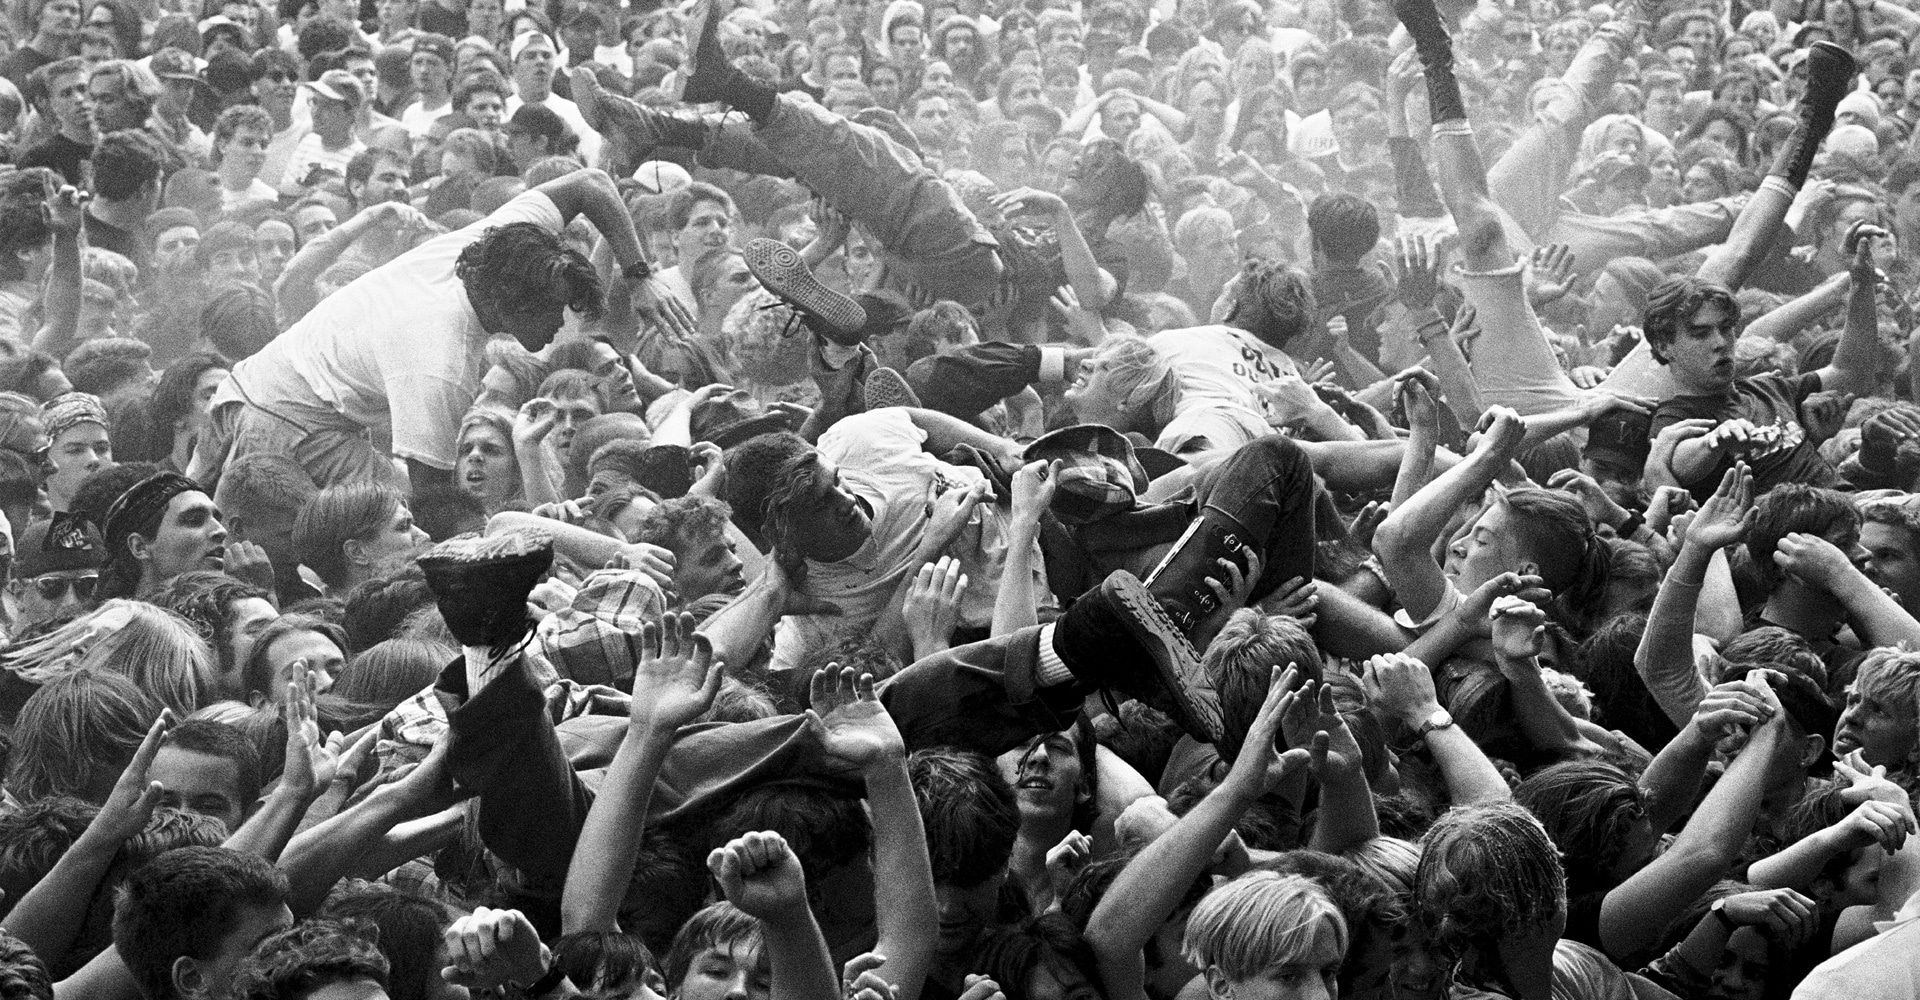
[(886, 387), (638, 132), (481, 584), (706, 66), (1118, 637), (782, 272)]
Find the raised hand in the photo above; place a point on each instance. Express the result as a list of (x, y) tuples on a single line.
[(1417, 392), (1313, 721), (1502, 431), (1550, 274), (1599, 506), (949, 512), (133, 799), (1519, 631), (654, 305), (1365, 523), (1866, 782), (675, 677), (1319, 370), (1261, 765), (759, 873), (1033, 488), (932, 606), (1824, 412), (1478, 607), (311, 762), (1400, 686), (1289, 398), (490, 948), (1416, 273), (248, 563), (65, 212), (1728, 515), (1875, 822), (1066, 859), (1028, 201), (858, 728), (981, 988), (534, 421), (860, 978), (650, 559)]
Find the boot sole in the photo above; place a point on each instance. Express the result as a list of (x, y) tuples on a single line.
[(781, 271), (1196, 707), (885, 387)]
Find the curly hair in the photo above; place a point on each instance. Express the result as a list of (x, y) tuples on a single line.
[(1486, 872), (675, 524), (299, 961), (1671, 305), (519, 263), (1590, 808), (22, 975)]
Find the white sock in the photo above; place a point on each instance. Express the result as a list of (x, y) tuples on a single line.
[(1051, 669)]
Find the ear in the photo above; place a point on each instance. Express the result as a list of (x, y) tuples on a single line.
[(1811, 748), (1218, 987), (256, 699), (1529, 569), (355, 552), (137, 547), (236, 526), (187, 979)]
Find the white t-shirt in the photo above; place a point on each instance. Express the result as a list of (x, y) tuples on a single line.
[(881, 461), (399, 350), (313, 152), (1218, 368), (419, 120), (569, 112), (256, 191)]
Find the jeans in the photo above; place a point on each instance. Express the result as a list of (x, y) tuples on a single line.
[(861, 171), (332, 452)]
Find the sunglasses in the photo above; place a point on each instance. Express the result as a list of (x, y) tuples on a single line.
[(54, 588)]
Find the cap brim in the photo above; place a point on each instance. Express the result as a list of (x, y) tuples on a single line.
[(733, 434)]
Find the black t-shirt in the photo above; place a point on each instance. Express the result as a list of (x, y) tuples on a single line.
[(442, 21), (63, 155), (1767, 401), (108, 236)]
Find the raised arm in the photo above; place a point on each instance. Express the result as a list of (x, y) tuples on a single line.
[(66, 214), (1880, 619), (50, 917), (309, 770), (319, 857), (592, 193), (859, 731), (759, 873), (1149, 889), (294, 288), (1016, 606), (1855, 365), (675, 680), (1633, 914), (1401, 687), (1519, 637), (1405, 539), (1664, 658), (1345, 818)]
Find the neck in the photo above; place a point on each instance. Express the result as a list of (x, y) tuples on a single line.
[(78, 133), (1527, 965), (1811, 614), (49, 44), (128, 214), (434, 97), (234, 178)]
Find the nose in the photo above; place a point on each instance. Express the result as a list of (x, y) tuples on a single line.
[(216, 530), (737, 986), (322, 681)]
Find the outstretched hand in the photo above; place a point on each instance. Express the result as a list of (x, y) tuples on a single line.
[(675, 677), (858, 728)]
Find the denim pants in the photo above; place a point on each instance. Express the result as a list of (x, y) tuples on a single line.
[(878, 183)]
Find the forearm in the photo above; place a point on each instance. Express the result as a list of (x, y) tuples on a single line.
[(1418, 197), (1694, 460), (1671, 782), (1798, 865), (1782, 323), (582, 545), (1470, 776), (1882, 618), (105, 978), (536, 485), (316, 859), (1405, 539), (737, 631), (797, 952), (592, 193), (1542, 426), (905, 914), (63, 297), (1717, 615), (266, 833), (1542, 718), (823, 244), (1014, 607), (1173, 118), (603, 859), (1147, 891), (50, 917), (1664, 658), (1092, 284), (299, 273), (1416, 464), (945, 433), (1853, 369), (1345, 818)]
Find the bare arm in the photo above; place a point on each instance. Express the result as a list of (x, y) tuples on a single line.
[(1405, 539), (674, 681), (1855, 366), (1664, 658), (65, 213), (1781, 323)]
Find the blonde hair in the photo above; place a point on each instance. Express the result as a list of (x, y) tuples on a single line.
[(1389, 859), (1260, 921), (155, 649), (1151, 384)]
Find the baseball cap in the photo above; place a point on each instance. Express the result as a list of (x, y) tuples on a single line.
[(339, 85), (174, 64), (662, 176), (65, 543), (527, 40)]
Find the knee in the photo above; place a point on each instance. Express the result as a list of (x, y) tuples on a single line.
[(1279, 453), (1480, 229)]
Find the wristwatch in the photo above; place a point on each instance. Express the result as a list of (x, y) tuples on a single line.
[(638, 270), (1719, 911), (1440, 719)]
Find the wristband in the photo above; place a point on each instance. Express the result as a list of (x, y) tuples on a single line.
[(1719, 911), (1631, 526), (639, 270), (546, 984)]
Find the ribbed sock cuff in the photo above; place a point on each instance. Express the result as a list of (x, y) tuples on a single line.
[(1050, 669)]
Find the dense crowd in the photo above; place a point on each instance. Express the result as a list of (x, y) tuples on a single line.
[(960, 499)]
